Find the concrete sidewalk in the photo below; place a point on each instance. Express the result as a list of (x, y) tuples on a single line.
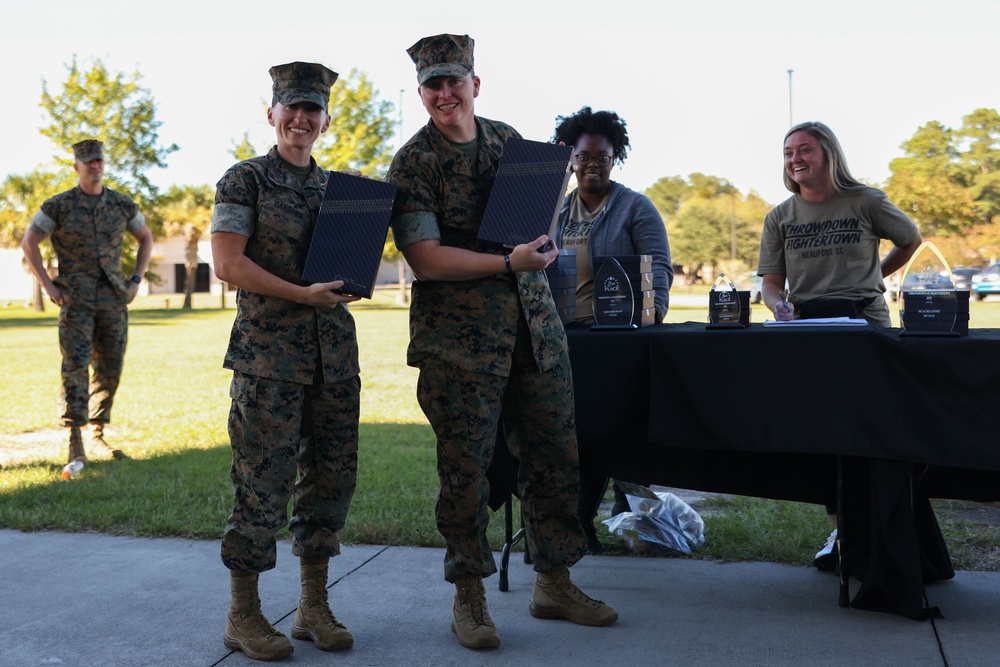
[(85, 599)]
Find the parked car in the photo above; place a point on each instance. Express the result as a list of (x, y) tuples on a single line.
[(892, 288), (961, 279), (755, 293), (962, 275), (986, 282)]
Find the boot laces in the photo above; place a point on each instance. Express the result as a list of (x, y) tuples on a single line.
[(259, 623), (323, 613), (475, 608), (563, 585), (472, 605)]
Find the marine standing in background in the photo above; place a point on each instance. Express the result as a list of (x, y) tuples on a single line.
[(489, 344), (88, 225), (293, 422)]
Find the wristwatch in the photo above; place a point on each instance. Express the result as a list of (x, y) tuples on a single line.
[(136, 279)]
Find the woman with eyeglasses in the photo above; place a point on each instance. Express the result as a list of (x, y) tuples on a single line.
[(602, 218)]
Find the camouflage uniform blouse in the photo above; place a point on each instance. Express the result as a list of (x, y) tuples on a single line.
[(88, 242), (272, 337), (470, 323)]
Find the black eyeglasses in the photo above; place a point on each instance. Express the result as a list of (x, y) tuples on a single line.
[(599, 160)]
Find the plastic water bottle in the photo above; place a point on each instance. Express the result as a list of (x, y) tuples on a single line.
[(71, 469)]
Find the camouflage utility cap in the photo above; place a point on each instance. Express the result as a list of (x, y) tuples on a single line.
[(302, 82), (88, 149), (442, 55)]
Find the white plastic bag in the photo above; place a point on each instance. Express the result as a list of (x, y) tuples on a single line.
[(657, 517)]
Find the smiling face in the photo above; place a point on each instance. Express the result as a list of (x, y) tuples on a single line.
[(806, 162), (449, 101), (297, 127), (593, 178)]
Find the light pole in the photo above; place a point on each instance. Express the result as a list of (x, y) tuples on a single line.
[(790, 121)]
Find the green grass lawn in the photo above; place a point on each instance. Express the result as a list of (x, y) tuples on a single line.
[(170, 416)]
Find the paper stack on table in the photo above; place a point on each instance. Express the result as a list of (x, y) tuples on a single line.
[(818, 322)]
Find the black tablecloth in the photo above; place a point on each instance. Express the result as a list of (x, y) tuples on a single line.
[(766, 412)]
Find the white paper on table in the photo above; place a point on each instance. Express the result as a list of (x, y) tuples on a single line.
[(819, 322)]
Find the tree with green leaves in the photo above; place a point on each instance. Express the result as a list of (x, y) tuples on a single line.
[(113, 107), (709, 221), (361, 129), (360, 138), (948, 181), (928, 183), (667, 195), (980, 147), (20, 198), (243, 150), (186, 210), (704, 229)]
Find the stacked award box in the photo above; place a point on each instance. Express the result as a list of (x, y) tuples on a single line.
[(527, 192), (350, 233), (562, 282), (638, 271)]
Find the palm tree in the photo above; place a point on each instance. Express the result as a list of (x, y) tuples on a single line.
[(187, 210), (20, 198)]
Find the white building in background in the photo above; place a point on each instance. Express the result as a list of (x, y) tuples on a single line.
[(166, 265), (16, 282)]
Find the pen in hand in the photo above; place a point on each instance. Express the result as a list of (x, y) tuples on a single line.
[(784, 310)]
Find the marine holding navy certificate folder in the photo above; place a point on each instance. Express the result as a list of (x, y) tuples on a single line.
[(350, 233), (487, 338), (296, 390), (527, 193)]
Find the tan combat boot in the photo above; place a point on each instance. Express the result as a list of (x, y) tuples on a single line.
[(555, 596), (470, 619), (246, 628), (76, 452), (313, 619), (100, 446)]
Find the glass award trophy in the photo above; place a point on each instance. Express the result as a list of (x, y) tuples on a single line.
[(929, 303), (724, 308), (614, 300)]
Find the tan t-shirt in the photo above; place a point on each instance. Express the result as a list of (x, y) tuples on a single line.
[(576, 236)]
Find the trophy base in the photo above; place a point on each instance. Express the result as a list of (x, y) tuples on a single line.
[(929, 334), (614, 327), (726, 325)]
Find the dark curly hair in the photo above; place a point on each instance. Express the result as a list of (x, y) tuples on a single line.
[(587, 121)]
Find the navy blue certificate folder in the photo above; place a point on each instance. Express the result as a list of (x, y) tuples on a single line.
[(350, 233), (527, 193)]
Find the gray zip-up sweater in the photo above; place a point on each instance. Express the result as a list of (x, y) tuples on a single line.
[(630, 225)]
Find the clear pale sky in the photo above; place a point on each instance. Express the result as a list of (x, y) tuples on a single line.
[(704, 86)]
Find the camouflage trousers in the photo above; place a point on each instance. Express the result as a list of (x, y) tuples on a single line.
[(290, 441), (464, 409), (91, 336)]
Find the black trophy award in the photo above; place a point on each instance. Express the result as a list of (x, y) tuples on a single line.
[(727, 308), (614, 301), (349, 235), (930, 306)]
